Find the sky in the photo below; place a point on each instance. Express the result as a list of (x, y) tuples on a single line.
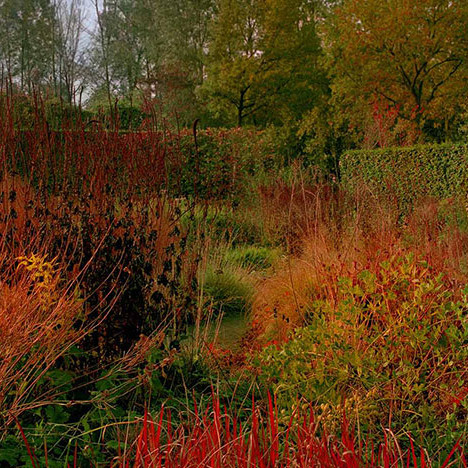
[(90, 15)]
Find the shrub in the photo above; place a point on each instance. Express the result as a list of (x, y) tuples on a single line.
[(96, 200), (391, 348), (439, 230), (409, 174), (221, 163), (131, 252), (287, 209), (41, 317)]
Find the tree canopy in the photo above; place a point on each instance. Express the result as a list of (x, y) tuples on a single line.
[(413, 55), (263, 56), (330, 71)]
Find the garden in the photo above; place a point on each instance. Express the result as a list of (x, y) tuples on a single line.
[(186, 299)]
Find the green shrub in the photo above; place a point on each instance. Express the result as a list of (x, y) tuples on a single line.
[(221, 163), (390, 349), (130, 117), (223, 223), (409, 173)]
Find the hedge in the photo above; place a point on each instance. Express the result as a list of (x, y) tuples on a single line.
[(409, 173), (220, 166)]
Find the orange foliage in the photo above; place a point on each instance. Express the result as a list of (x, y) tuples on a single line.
[(338, 242)]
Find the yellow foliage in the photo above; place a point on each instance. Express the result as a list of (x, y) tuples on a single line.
[(44, 274)]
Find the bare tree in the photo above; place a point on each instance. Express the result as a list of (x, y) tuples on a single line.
[(70, 60)]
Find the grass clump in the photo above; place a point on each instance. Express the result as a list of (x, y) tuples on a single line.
[(223, 223), (253, 257), (228, 290)]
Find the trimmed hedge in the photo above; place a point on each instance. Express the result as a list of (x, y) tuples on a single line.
[(409, 173)]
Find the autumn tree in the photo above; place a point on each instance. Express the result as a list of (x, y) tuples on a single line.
[(412, 55), (262, 54)]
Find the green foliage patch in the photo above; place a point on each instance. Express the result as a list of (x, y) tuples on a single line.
[(252, 257), (229, 290), (395, 340), (409, 173)]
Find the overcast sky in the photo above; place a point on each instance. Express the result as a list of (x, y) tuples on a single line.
[(90, 16)]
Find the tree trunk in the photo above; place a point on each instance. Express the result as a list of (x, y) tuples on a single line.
[(240, 109)]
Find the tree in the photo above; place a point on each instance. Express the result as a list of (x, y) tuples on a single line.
[(180, 53), (128, 23), (413, 55), (262, 50), (184, 26), (102, 50), (154, 48), (68, 61), (26, 42)]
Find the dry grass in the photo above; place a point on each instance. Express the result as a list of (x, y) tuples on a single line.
[(342, 235)]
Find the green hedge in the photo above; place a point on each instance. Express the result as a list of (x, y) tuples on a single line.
[(409, 173)]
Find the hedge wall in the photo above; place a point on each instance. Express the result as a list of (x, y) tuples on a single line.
[(409, 173)]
